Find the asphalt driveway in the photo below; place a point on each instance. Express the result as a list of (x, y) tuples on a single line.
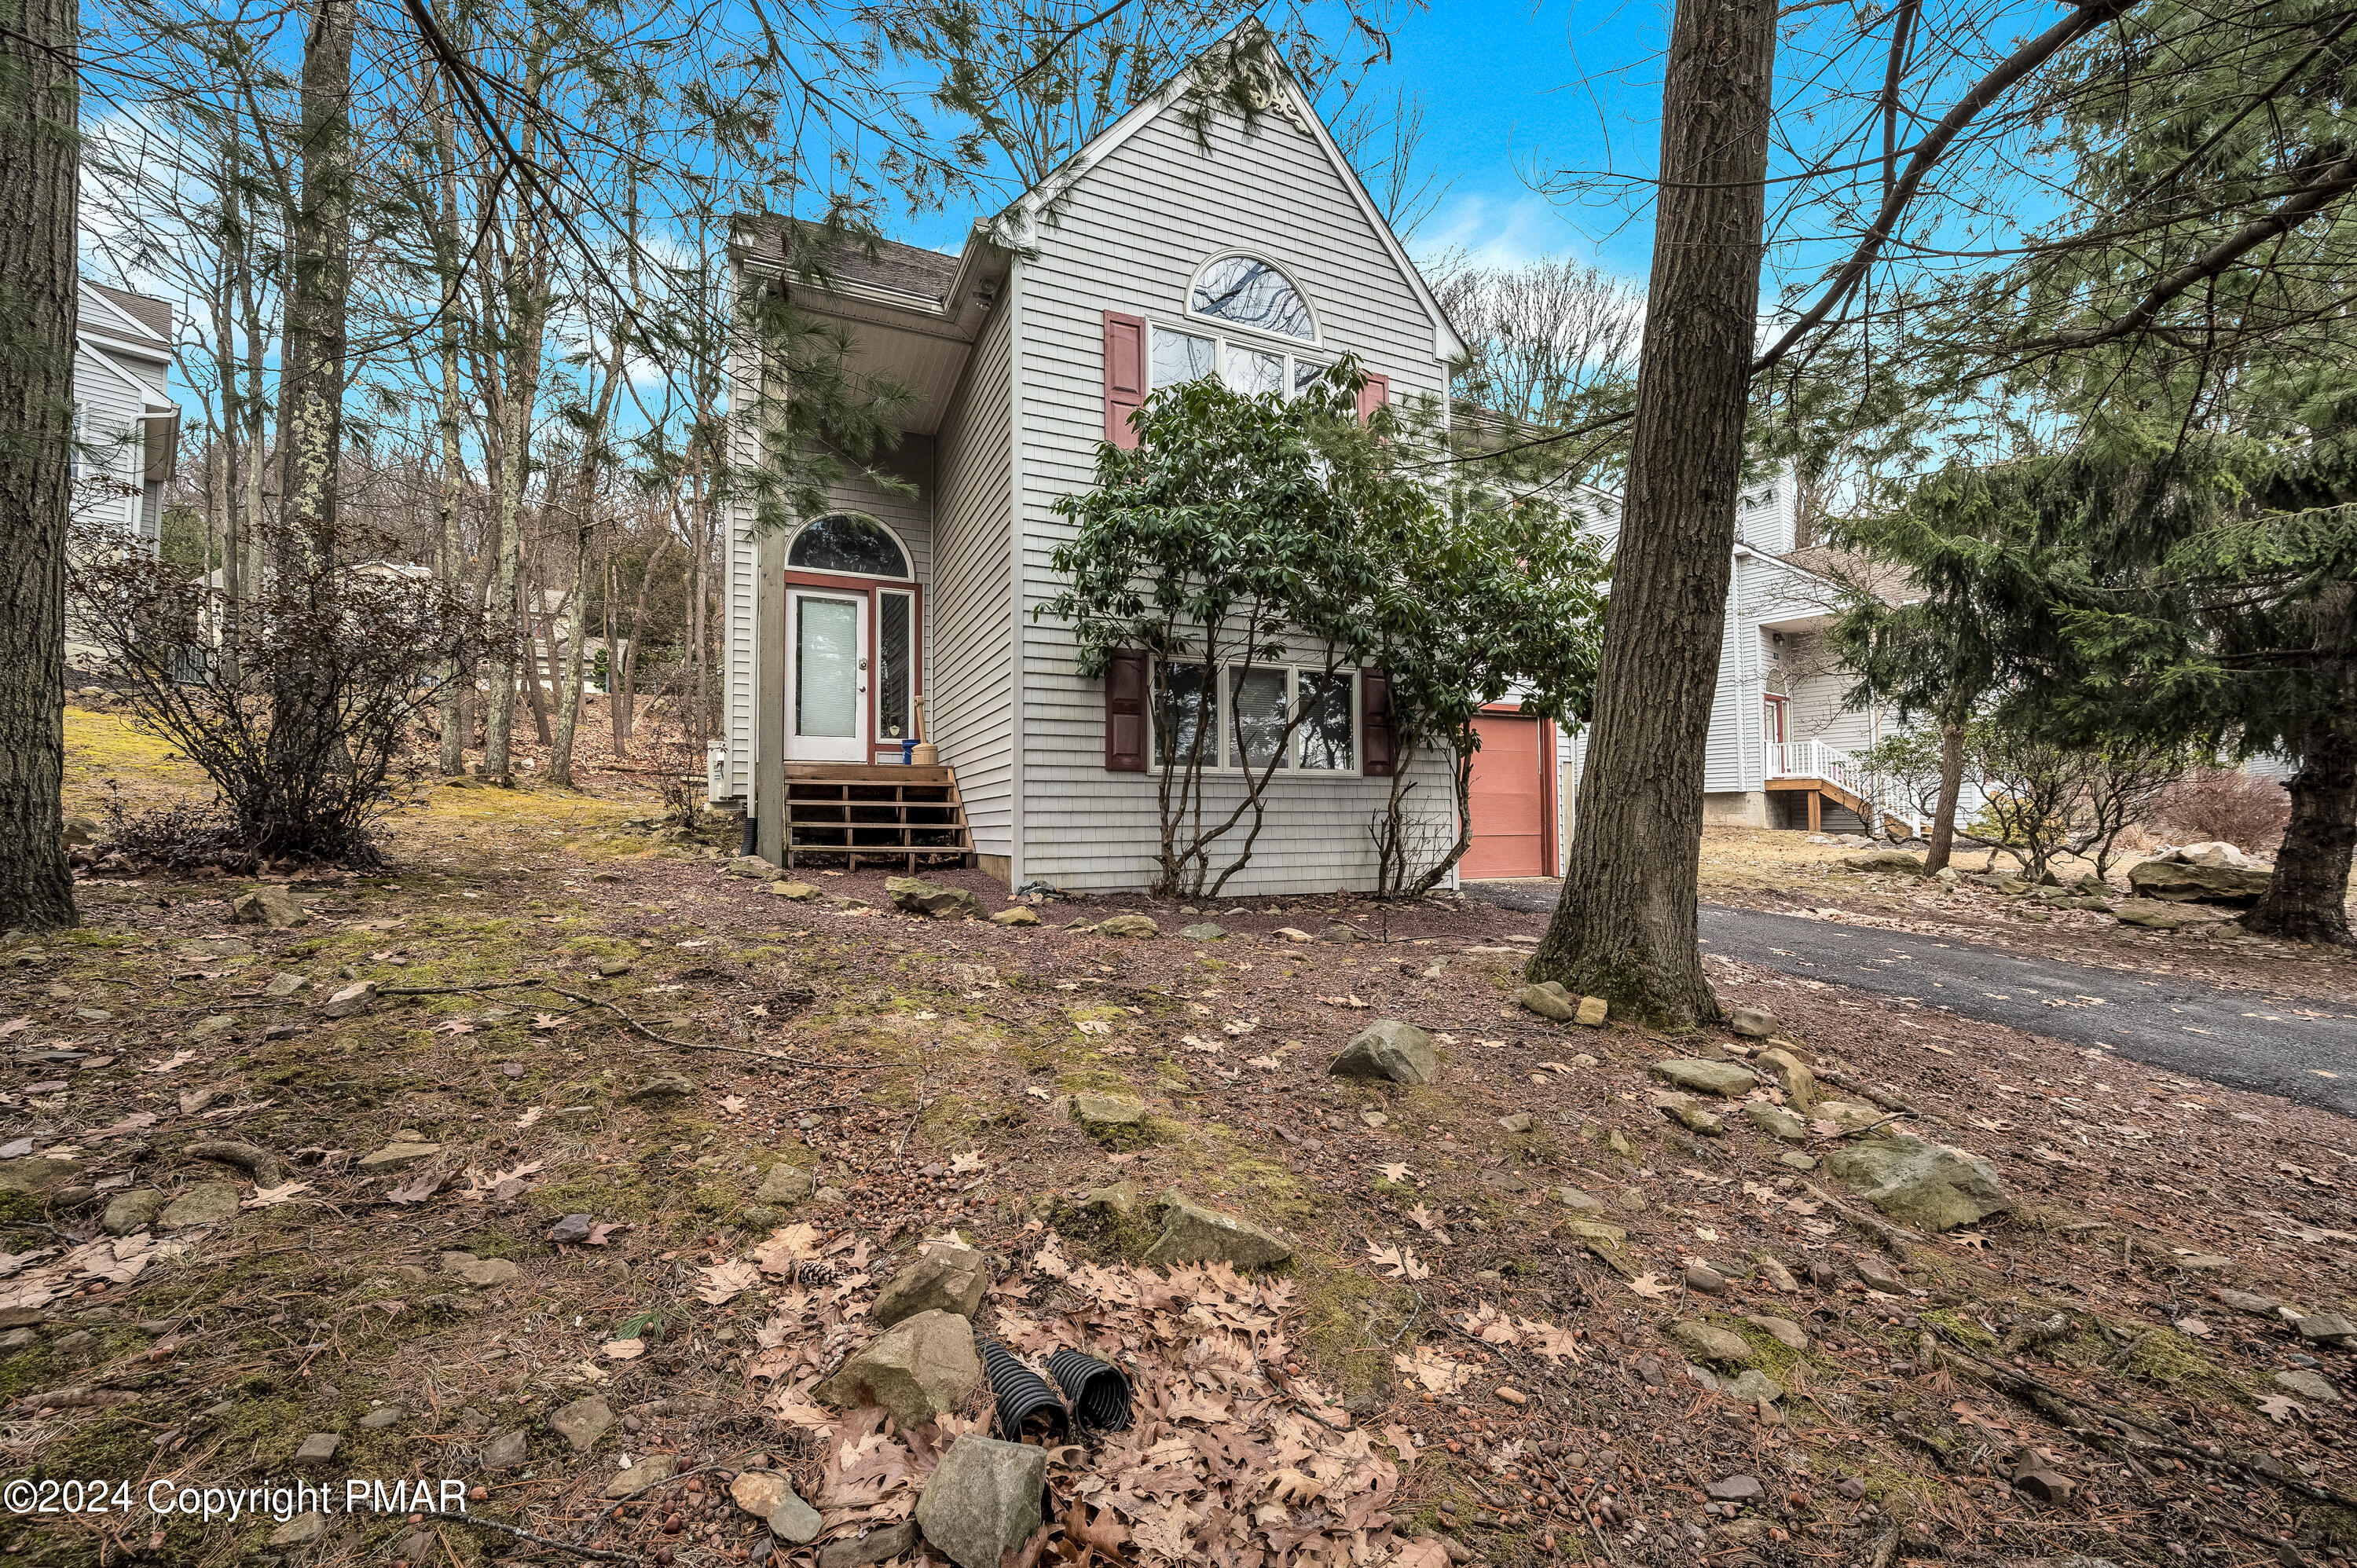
[(2298, 1047)]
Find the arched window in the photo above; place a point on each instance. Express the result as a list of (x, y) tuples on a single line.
[(1251, 293), (850, 542)]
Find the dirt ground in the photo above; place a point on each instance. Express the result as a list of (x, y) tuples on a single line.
[(579, 1031)]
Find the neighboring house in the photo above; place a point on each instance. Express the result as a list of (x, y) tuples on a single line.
[(1782, 740), (1147, 258), (126, 426)]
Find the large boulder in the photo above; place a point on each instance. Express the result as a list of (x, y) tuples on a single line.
[(1194, 1234), (1548, 999), (1799, 1083), (754, 866), (2217, 852), (1884, 860), (1726, 1079), (945, 1279), (2157, 915), (1923, 1183), (2180, 882), (934, 900), (983, 1499), (916, 1370), (1127, 926), (1389, 1049)]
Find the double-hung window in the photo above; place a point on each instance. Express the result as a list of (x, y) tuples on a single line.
[(1241, 718)]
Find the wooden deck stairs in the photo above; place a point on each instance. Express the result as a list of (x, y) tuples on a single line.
[(856, 815), (1822, 774)]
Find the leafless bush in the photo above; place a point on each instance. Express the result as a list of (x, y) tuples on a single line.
[(2225, 803), (182, 836), (297, 700)]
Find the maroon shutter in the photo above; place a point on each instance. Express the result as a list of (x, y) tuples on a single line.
[(1374, 395), (1125, 712), (1124, 376), (1378, 745)]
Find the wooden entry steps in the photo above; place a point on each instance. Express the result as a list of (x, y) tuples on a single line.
[(1819, 790), (874, 815)]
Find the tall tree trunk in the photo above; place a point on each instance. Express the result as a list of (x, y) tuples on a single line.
[(311, 377), (2307, 900), (1951, 786), (568, 704), (41, 161), (527, 319), (448, 262), (1625, 929), (537, 622)]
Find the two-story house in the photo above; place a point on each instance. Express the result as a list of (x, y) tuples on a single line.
[(1154, 255), (126, 426)]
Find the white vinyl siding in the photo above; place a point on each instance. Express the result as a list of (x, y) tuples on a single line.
[(1130, 236), (970, 713), (113, 387)]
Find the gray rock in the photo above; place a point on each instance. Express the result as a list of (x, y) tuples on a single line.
[(1021, 914), (1897, 860), (1792, 1159), (1711, 1342), (934, 900), (571, 1229), (505, 1451), (1705, 1279), (268, 905), (783, 1186), (317, 1448), (1120, 1199), (2180, 882), (1783, 1330), (945, 1279), (1772, 1270), (2309, 1385), (2327, 1328), (1754, 1387), (383, 1416), (1519, 1122), (392, 1156), (483, 1272), (1923, 1183), (582, 1423), (206, 1203), (800, 892), (1388, 1049), (1800, 1085), (754, 866), (769, 1496), (1579, 1199), (35, 1175), (129, 1212), (915, 1369), (1127, 926), (651, 1470), (353, 999), (665, 1086), (1734, 1489), (983, 1499), (1752, 1023), (1548, 1001), (1724, 1078), (1593, 1010), (876, 1546), (1194, 1234), (2152, 914), (286, 985), (301, 1531), (1106, 1112), (1204, 931), (1777, 1122), (1688, 1113), (2243, 1301), (795, 1521)]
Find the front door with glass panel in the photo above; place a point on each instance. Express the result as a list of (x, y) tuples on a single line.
[(827, 686)]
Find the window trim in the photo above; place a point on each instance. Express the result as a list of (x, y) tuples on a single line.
[(1290, 361), (1187, 301), (907, 556), (1221, 767)]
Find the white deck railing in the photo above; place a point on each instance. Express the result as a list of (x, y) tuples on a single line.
[(1815, 760)]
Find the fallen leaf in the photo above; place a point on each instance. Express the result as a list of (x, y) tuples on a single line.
[(787, 1246), (174, 1062), (1651, 1287), (733, 1104), (1393, 1173), (528, 1118), (1093, 1026), (547, 1021), (963, 1165), (13, 1024), (1436, 1372), (1422, 1552), (1425, 1219), (1403, 1443), (1293, 1487), (455, 1026), (421, 1186), (1397, 1262), (625, 1350), (725, 1282), (269, 1197), (2282, 1407)]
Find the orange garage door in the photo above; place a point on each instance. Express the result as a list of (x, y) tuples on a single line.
[(1512, 822)]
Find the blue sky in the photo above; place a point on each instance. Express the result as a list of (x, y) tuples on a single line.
[(1512, 91)]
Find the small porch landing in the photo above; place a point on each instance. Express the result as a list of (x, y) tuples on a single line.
[(870, 815)]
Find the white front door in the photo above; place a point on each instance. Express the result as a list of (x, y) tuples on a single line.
[(826, 681)]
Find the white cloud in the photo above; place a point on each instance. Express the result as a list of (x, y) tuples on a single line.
[(1485, 231)]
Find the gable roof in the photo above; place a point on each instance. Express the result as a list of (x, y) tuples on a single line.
[(1025, 211)]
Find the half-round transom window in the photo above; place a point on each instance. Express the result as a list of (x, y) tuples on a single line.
[(846, 542), (1251, 293)]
